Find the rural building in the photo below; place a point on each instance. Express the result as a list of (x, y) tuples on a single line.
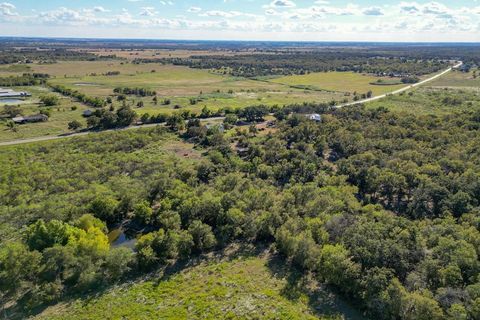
[(314, 117), (220, 127), (87, 113), (30, 119), (9, 93)]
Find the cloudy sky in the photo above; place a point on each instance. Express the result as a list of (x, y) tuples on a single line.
[(317, 20)]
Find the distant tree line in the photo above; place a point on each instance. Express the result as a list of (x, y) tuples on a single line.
[(141, 92), (90, 101), (27, 79), (108, 119), (255, 65), (31, 55)]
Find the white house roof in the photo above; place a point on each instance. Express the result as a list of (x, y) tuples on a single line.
[(315, 116), (18, 119), (12, 93)]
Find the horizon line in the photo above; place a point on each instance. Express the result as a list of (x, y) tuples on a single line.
[(236, 40)]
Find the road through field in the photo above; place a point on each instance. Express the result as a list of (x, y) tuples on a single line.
[(80, 134), (64, 136), (458, 65)]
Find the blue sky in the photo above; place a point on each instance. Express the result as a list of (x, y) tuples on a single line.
[(317, 20)]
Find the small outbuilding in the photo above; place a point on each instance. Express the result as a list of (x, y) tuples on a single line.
[(87, 113), (9, 93), (30, 119), (220, 127), (314, 117)]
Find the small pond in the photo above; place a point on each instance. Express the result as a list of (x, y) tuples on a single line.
[(118, 238), (87, 84), (11, 101)]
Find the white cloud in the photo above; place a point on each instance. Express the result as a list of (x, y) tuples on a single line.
[(281, 4), (100, 9), (223, 14), (373, 11), (147, 11), (410, 7), (278, 19), (7, 9), (194, 9)]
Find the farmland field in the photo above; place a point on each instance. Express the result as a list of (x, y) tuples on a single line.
[(180, 84), (460, 80), (184, 88), (456, 91), (155, 53), (344, 82)]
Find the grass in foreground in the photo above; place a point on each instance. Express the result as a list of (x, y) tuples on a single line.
[(228, 286)]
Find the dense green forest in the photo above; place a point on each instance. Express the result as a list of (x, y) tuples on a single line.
[(381, 206)]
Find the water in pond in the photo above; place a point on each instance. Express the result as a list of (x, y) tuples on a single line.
[(87, 84), (11, 101), (118, 238)]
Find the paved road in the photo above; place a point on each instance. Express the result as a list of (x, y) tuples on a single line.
[(458, 65), (64, 136), (80, 134)]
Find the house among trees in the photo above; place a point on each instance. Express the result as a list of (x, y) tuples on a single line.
[(87, 113), (9, 93), (220, 127), (314, 117), (30, 119)]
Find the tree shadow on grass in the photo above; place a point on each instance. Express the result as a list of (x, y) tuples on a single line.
[(322, 300), (230, 253), (159, 275)]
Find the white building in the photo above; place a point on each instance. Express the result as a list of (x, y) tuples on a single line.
[(9, 93), (314, 117)]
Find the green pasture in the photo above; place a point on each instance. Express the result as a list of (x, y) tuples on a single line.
[(344, 82), (430, 100), (460, 80), (241, 287), (180, 85), (192, 90)]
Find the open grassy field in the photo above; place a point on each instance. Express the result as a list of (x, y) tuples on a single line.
[(460, 80), (343, 82), (181, 84), (184, 88), (230, 286), (455, 91), (431, 100)]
